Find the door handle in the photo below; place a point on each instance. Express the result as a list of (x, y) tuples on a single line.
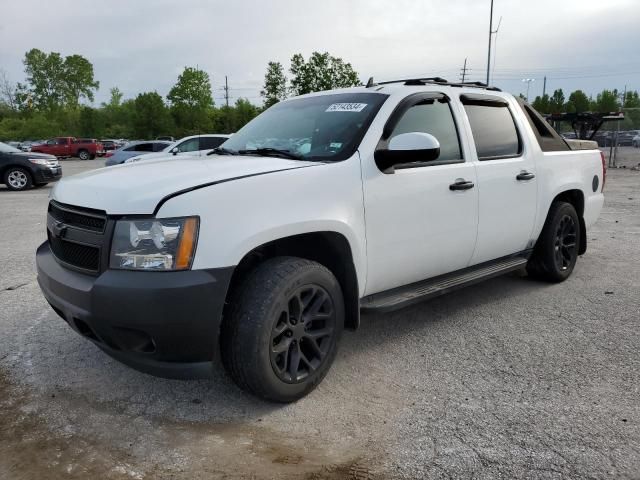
[(461, 184), (525, 176)]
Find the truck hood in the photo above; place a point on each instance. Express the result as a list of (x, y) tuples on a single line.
[(137, 188)]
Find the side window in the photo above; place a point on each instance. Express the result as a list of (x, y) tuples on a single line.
[(494, 130), (434, 117), (51, 142), (207, 143), (158, 147), (143, 147), (191, 145), (62, 141)]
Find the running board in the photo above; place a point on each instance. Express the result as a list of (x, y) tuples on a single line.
[(417, 292)]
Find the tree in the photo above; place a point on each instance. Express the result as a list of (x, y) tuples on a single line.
[(151, 117), (8, 91), (115, 98), (78, 80), (578, 102), (53, 81), (607, 101), (275, 84), (556, 103), (321, 72), (193, 89), (190, 101), (542, 104)]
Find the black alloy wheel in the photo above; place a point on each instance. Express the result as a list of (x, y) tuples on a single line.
[(301, 336), (565, 243)]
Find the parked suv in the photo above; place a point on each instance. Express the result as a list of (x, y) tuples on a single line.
[(193, 146), (367, 198), (22, 170)]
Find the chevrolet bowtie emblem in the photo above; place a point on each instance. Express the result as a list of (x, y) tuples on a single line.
[(58, 229)]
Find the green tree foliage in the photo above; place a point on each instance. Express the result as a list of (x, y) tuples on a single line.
[(275, 84), (578, 102), (556, 102), (542, 104), (320, 72), (190, 101), (151, 116), (606, 102), (54, 82), (193, 89)]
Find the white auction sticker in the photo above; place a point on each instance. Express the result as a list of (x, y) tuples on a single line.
[(346, 107)]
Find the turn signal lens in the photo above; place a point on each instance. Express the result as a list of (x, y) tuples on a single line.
[(187, 244)]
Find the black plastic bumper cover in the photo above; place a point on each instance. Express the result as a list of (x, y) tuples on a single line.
[(163, 323)]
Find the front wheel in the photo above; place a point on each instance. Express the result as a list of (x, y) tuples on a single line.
[(556, 251), (282, 334), (16, 178)]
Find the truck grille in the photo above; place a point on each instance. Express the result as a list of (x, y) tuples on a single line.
[(84, 218), (82, 256), (77, 236)]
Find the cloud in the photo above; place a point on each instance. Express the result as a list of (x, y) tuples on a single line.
[(143, 45)]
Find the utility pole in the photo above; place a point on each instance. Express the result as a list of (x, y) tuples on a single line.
[(528, 80), (621, 109), (464, 70), (226, 90), (490, 33), (544, 87)]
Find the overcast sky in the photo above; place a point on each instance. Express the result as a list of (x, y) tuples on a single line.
[(143, 45)]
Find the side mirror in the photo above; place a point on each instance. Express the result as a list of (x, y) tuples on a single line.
[(407, 148), (175, 150)]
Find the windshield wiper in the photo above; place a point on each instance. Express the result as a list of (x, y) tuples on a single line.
[(222, 151), (267, 151)]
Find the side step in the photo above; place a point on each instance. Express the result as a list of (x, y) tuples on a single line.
[(419, 291)]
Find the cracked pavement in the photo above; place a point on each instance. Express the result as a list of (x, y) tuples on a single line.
[(510, 378)]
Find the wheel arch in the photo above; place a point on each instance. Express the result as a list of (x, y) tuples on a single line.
[(5, 168), (576, 198), (329, 248)]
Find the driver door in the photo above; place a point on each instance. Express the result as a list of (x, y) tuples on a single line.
[(418, 224)]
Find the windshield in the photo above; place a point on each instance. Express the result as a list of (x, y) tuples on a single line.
[(324, 127), (8, 148)]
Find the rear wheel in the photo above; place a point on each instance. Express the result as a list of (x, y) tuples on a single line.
[(17, 178), (83, 155), (281, 336), (556, 251)]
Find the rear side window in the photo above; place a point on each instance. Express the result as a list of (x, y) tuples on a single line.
[(432, 116), (207, 143), (143, 147), (494, 130), (158, 147)]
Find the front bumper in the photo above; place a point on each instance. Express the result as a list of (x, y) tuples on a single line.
[(163, 323), (47, 174)]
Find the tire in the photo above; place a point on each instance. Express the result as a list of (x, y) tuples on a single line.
[(262, 339), (83, 155), (17, 179), (556, 251)]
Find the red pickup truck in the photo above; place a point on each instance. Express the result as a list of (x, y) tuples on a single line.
[(84, 149)]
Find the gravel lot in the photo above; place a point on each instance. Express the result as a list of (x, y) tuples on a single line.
[(507, 379)]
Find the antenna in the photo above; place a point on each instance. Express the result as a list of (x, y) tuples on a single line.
[(370, 83)]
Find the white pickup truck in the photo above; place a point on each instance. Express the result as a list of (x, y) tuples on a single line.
[(328, 204)]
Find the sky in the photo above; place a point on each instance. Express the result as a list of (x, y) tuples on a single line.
[(143, 45)]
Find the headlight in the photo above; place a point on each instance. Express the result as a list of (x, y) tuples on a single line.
[(154, 244), (43, 161)]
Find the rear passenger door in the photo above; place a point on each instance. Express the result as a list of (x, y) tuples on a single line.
[(506, 173)]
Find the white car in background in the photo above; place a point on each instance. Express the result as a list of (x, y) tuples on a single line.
[(193, 146)]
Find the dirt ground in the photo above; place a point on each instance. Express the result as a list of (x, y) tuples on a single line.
[(507, 379)]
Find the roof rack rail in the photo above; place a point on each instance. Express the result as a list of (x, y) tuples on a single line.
[(433, 80)]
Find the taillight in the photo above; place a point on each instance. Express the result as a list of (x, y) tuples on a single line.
[(604, 170)]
